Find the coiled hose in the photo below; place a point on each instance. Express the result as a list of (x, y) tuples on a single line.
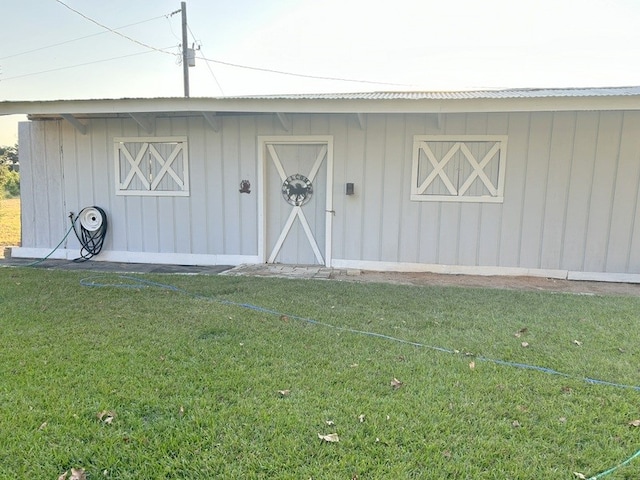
[(91, 232)]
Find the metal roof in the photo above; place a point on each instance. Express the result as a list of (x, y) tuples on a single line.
[(458, 95), (506, 100)]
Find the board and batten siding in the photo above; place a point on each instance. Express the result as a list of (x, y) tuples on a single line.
[(571, 192)]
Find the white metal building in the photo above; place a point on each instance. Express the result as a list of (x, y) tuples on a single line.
[(510, 182)]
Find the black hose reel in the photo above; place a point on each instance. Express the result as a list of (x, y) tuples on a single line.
[(91, 231)]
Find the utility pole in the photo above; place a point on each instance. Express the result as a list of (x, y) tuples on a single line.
[(185, 50)]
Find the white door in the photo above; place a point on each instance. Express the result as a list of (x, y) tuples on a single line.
[(297, 204)]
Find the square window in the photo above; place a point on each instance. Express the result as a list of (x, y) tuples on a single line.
[(458, 168), (152, 166)]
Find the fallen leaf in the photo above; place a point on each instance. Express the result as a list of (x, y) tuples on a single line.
[(567, 389), (107, 416), (635, 423), (577, 342), (361, 418), (580, 475), (284, 393), (472, 365), (446, 454), (63, 476), (330, 422), (525, 344), (43, 426), (516, 424), (181, 411), (396, 384), (354, 365), (78, 474), (562, 419), (284, 318), (330, 437)]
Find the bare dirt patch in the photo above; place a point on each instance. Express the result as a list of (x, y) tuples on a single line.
[(502, 282)]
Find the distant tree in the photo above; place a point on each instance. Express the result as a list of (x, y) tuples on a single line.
[(9, 176), (9, 157)]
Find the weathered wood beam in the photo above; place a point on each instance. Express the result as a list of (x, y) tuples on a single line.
[(212, 120), (146, 122), (285, 121), (77, 124)]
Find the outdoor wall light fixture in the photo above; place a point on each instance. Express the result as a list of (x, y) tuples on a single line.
[(350, 190)]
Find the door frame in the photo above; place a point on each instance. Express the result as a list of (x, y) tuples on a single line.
[(263, 162)]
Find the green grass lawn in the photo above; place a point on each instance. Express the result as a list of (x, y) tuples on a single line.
[(198, 389), (9, 223)]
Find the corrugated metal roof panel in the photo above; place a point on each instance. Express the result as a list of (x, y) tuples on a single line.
[(458, 95)]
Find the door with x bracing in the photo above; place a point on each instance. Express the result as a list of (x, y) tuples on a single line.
[(297, 204)]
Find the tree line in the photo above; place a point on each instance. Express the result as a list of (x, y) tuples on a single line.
[(9, 172)]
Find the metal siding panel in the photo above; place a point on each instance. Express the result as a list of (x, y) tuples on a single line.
[(231, 212), (409, 211), (537, 166), (182, 214), (150, 225), (582, 166), (471, 213), (491, 214), (511, 228), (623, 249), (560, 154), (392, 187), (424, 225), (54, 224), (118, 237), (134, 224), (28, 206), (606, 160), (247, 168), (338, 125), (450, 212), (354, 172), (214, 197), (198, 200), (372, 195)]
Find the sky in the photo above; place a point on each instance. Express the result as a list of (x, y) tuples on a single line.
[(49, 52)]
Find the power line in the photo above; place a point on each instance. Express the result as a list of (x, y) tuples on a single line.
[(80, 38), (318, 77), (112, 30), (76, 66), (215, 79)]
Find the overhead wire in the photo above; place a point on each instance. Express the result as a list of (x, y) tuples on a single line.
[(215, 79), (76, 66), (168, 52), (86, 17), (78, 38), (303, 75)]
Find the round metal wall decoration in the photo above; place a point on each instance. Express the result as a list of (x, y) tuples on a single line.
[(297, 190)]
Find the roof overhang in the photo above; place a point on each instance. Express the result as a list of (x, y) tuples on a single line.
[(627, 98)]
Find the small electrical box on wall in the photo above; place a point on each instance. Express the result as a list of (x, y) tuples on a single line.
[(350, 189)]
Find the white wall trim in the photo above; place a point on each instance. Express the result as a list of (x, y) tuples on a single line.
[(487, 271), (138, 257), (449, 269), (203, 259), (604, 277)]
